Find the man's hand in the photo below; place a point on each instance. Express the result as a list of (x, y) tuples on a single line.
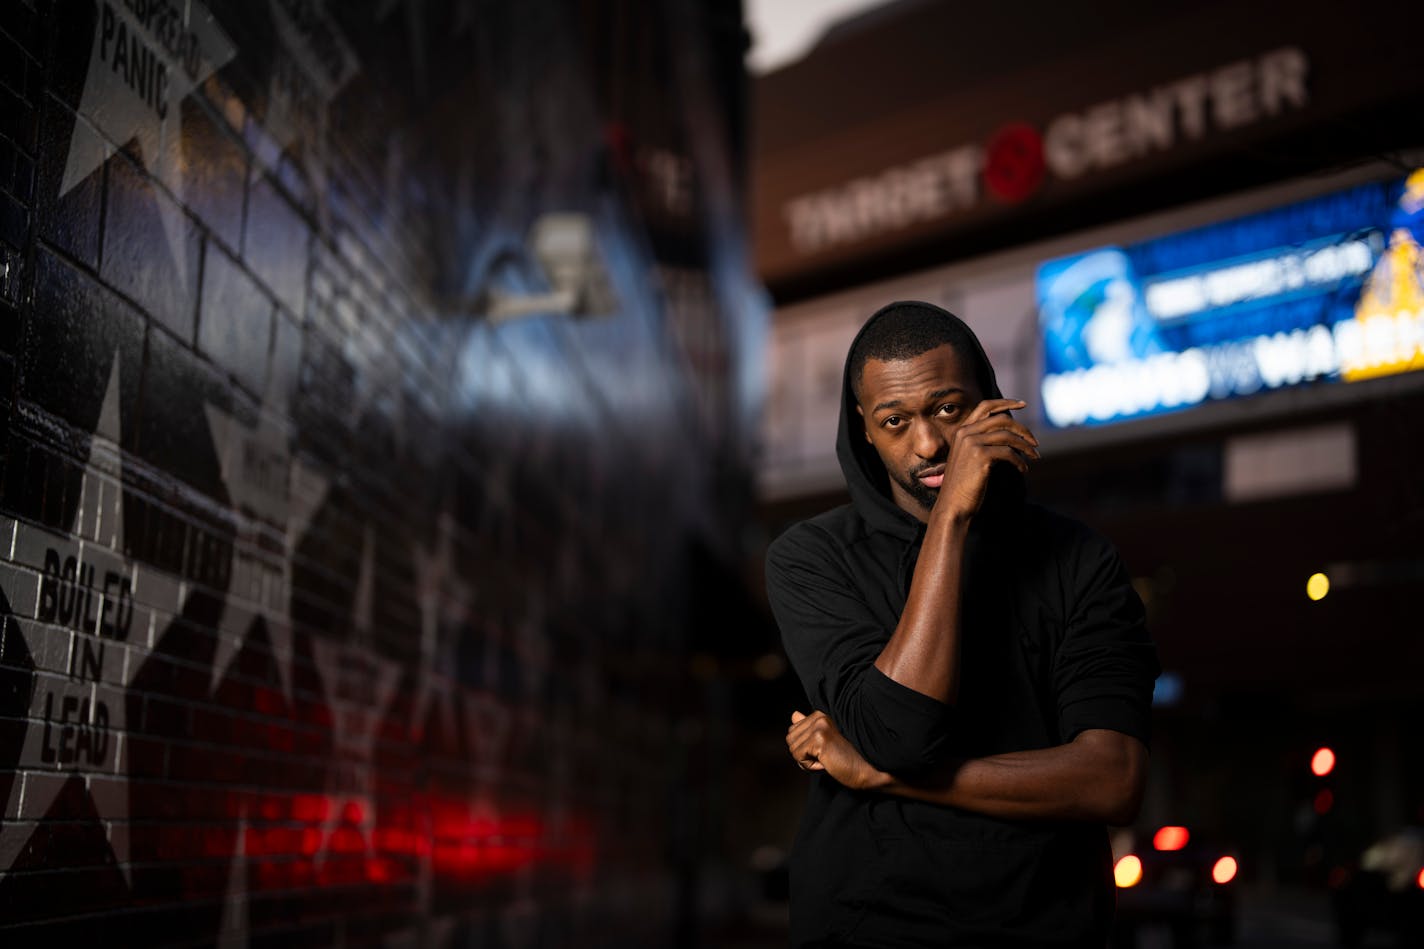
[(1099, 776), (988, 435), (817, 745)]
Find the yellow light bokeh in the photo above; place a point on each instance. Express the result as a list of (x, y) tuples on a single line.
[(1128, 871), (1317, 586)]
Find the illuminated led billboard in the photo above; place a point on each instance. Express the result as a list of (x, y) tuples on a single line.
[(1326, 290)]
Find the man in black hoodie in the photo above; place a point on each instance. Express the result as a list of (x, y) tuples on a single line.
[(979, 670)]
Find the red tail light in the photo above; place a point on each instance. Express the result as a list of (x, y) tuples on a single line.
[(1170, 838)]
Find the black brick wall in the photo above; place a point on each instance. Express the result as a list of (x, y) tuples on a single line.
[(332, 609)]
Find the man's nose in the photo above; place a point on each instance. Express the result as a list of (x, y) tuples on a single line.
[(929, 441)]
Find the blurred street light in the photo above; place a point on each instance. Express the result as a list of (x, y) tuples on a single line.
[(1128, 871), (1322, 762)]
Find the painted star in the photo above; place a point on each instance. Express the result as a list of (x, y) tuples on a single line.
[(303, 84), (489, 724), (233, 926), (89, 620), (265, 484), (134, 89), (445, 602), (360, 684)]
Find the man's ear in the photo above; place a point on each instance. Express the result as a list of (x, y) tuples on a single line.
[(863, 427)]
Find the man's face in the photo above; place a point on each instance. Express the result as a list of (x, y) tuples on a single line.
[(911, 409)]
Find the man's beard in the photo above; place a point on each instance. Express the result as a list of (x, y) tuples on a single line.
[(918, 490)]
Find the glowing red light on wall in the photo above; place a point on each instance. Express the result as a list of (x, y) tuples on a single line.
[(1322, 762), (1420, 879), (1170, 838), (1225, 870), (313, 808), (327, 840)]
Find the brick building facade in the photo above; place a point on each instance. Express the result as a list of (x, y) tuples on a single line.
[(368, 373)]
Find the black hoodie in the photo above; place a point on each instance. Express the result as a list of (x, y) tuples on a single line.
[(1052, 643)]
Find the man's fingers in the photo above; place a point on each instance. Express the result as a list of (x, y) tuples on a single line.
[(795, 736), (801, 723), (805, 752), (995, 422), (1011, 455), (806, 745), (806, 738), (805, 760), (1012, 439), (799, 736), (990, 407), (801, 727)]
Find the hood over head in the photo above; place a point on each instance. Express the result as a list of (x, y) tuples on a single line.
[(865, 474)]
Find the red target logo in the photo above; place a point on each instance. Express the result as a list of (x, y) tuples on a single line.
[(1013, 162)]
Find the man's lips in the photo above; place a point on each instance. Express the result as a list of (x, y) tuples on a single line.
[(932, 477)]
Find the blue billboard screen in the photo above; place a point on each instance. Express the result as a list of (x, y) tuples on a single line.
[(1325, 290)]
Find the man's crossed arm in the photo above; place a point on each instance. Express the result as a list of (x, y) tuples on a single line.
[(1099, 776)]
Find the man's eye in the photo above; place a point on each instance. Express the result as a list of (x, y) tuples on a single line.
[(892, 421), (949, 408)]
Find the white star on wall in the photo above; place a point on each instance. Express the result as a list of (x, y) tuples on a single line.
[(233, 925), (89, 616), (445, 602), (134, 89), (265, 484), (302, 85), (360, 684)]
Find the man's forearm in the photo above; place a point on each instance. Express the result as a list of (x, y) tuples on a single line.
[(1099, 776), (923, 652)]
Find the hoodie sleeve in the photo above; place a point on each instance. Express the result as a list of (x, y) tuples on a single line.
[(1106, 665), (833, 639)]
